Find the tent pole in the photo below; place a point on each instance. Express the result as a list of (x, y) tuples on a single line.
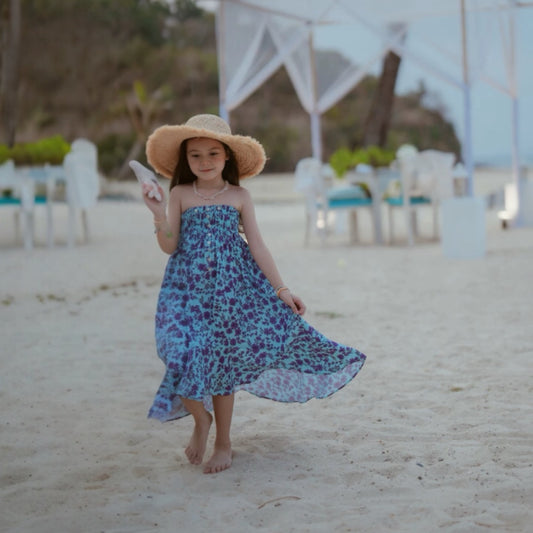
[(316, 142), (220, 27), (316, 137), (467, 141), (515, 154)]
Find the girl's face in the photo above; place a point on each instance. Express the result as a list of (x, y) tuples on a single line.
[(206, 158)]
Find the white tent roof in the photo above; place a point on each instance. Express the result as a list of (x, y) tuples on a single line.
[(461, 41)]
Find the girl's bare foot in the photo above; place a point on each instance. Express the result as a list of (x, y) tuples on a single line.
[(220, 460), (196, 448)]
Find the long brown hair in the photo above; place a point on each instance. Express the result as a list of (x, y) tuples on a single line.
[(183, 173)]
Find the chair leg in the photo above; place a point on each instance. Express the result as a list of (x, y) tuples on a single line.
[(85, 221), (390, 212), (27, 229), (71, 235), (435, 221), (323, 234), (324, 227), (353, 226), (50, 188), (17, 225), (376, 220), (49, 223), (409, 226)]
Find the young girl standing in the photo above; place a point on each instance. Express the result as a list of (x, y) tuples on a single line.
[(225, 320)]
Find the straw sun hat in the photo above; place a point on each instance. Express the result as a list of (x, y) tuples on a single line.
[(162, 147)]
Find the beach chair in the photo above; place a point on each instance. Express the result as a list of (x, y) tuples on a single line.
[(307, 181), (426, 178), (321, 200), (82, 185), (44, 176), (17, 191)]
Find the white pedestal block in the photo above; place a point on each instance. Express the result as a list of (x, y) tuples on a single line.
[(463, 228)]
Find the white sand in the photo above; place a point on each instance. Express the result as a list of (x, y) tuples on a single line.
[(435, 434)]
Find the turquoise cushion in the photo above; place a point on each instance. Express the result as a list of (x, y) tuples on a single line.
[(10, 200), (348, 196), (349, 202), (414, 200)]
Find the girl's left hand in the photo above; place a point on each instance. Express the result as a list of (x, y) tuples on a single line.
[(293, 301)]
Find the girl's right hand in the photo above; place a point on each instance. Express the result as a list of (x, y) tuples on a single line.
[(153, 195), (158, 207)]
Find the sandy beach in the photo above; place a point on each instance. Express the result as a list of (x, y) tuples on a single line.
[(434, 434)]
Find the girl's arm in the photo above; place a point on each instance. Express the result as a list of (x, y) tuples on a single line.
[(263, 257), (167, 225)]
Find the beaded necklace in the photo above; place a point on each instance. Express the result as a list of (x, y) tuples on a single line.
[(213, 196)]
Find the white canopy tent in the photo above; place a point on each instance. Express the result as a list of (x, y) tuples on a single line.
[(462, 42)]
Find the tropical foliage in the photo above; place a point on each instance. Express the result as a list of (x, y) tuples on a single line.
[(374, 156), (343, 159), (50, 150)]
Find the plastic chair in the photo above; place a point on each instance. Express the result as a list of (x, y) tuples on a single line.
[(47, 176), (321, 200), (425, 179), (21, 197), (307, 181), (441, 166), (82, 184)]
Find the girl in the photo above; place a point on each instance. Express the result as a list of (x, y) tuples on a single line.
[(225, 320)]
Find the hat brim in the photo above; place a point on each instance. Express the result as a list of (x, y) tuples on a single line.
[(162, 149)]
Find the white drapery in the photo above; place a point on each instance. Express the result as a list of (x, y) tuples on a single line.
[(256, 37)]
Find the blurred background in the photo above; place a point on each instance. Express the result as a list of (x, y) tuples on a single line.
[(113, 71)]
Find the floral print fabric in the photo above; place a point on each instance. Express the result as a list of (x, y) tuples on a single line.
[(221, 328)]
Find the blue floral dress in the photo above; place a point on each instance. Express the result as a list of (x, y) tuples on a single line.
[(221, 328)]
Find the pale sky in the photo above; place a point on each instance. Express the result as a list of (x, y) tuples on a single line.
[(491, 110)]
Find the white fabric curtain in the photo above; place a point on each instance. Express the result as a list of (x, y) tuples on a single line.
[(256, 37)]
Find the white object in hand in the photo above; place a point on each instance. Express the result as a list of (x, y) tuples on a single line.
[(145, 175)]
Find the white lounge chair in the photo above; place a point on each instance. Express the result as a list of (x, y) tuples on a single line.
[(321, 200), (44, 175), (17, 191), (426, 178), (82, 184)]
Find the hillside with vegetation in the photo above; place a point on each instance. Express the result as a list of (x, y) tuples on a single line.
[(112, 71)]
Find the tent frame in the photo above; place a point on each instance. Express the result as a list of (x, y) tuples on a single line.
[(393, 44)]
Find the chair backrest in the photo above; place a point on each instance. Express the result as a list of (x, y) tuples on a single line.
[(307, 174), (81, 172), (85, 147), (426, 173), (440, 166), (385, 176), (407, 156), (20, 184), (7, 173), (406, 151), (309, 179)]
